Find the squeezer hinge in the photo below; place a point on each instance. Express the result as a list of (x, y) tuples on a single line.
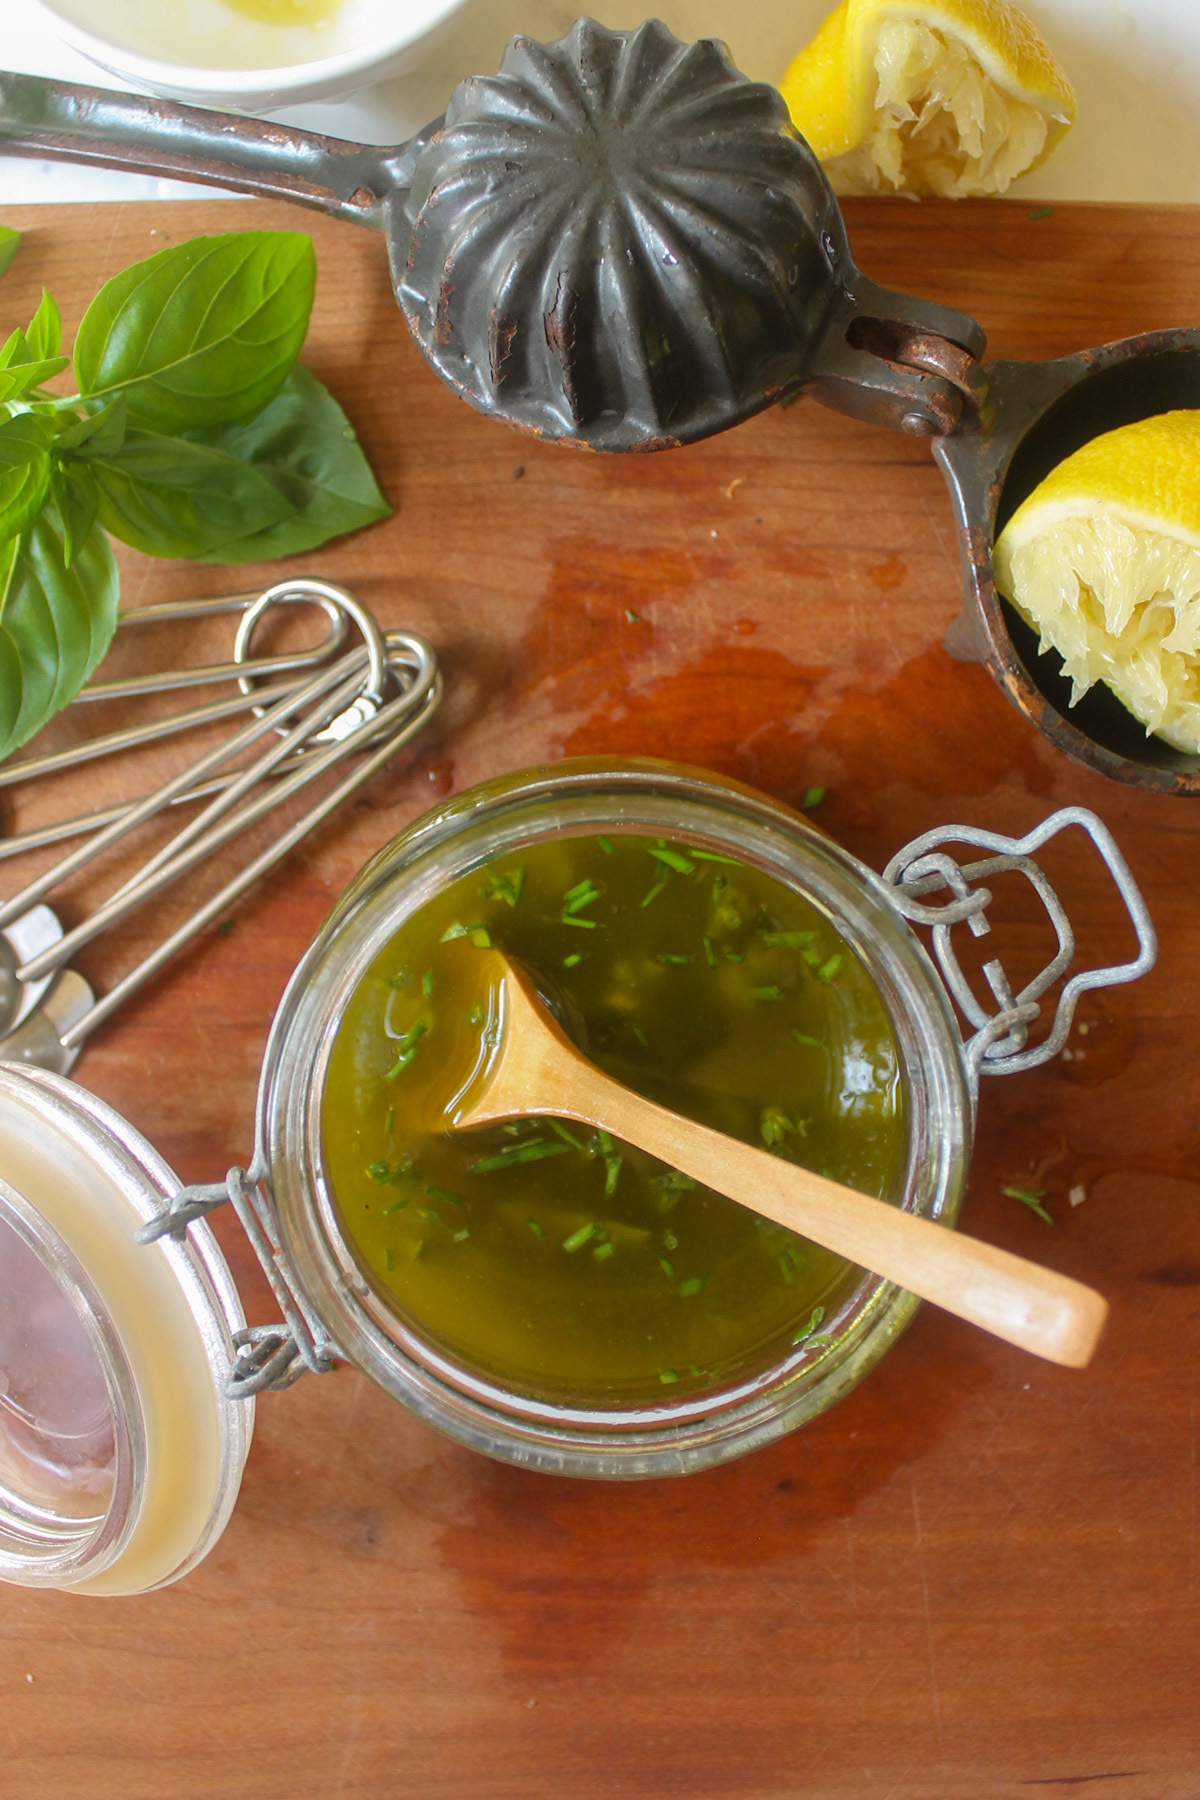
[(266, 1358), (1000, 1044)]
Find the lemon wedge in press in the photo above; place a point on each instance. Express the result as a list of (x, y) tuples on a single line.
[(950, 97), (1103, 560)]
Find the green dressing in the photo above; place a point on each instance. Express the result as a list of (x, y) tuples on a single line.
[(544, 1255)]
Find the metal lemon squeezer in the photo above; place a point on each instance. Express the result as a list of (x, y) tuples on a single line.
[(620, 242)]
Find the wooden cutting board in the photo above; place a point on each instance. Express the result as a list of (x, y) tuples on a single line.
[(978, 1576)]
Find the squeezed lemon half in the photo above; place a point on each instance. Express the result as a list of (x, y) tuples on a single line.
[(1103, 560), (956, 97)]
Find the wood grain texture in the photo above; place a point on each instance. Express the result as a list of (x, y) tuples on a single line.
[(979, 1577)]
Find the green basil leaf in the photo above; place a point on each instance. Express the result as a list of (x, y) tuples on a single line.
[(24, 470), (18, 381), (14, 349), (305, 442), (101, 433), (20, 370), (44, 334), (77, 500), (55, 623), (200, 334), (9, 244), (170, 497)]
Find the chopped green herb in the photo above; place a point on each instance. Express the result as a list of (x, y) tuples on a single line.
[(732, 956), (1032, 1198), (381, 1171), (710, 955), (785, 1267), (788, 940), (579, 1238), (507, 887), (581, 895), (1041, 212), (656, 890), (476, 1014), (802, 1037), (774, 1125), (459, 1236), (668, 1377), (533, 1150), (441, 1193), (666, 1268), (674, 859), (812, 797), (771, 992), (831, 967), (427, 984), (389, 1261), (695, 1284), (582, 924), (673, 956), (390, 1122), (711, 856), (640, 1035), (568, 1137), (406, 1048), (395, 1207), (605, 845), (535, 1228), (602, 1252), (612, 1170), (478, 933), (632, 617), (572, 961), (604, 1141), (806, 1331)]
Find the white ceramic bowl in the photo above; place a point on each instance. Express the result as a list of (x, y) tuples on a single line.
[(210, 52)]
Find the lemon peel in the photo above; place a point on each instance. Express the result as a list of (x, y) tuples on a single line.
[(956, 97), (1103, 560)]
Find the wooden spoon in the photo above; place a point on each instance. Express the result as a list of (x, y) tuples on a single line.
[(530, 1068)]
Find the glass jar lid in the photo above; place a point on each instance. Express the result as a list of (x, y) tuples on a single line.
[(120, 1455)]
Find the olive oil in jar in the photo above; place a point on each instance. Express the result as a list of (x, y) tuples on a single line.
[(546, 1256)]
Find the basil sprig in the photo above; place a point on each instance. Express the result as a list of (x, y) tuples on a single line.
[(194, 433)]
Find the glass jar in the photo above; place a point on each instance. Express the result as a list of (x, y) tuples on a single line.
[(127, 1373), (672, 1435)]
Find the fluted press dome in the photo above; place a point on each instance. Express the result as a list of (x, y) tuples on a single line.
[(618, 239)]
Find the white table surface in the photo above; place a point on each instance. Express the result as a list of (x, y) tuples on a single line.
[(1135, 67)]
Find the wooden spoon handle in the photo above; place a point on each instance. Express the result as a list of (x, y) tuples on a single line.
[(1027, 1305)]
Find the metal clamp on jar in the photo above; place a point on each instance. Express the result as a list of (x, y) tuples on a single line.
[(121, 1469)]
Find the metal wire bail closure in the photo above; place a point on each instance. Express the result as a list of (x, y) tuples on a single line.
[(999, 1043)]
